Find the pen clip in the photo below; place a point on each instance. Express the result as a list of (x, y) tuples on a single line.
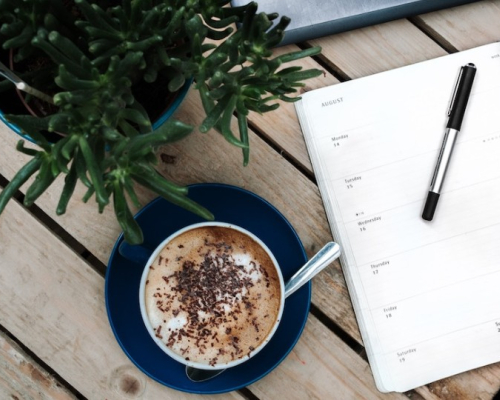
[(454, 95)]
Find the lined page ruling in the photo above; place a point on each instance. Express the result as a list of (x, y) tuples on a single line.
[(426, 294)]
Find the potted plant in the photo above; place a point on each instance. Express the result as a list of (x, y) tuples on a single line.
[(93, 59)]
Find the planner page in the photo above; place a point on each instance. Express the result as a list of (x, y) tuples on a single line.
[(426, 294)]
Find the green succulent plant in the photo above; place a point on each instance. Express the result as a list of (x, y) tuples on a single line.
[(99, 52)]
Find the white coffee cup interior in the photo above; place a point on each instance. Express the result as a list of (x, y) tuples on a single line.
[(149, 326)]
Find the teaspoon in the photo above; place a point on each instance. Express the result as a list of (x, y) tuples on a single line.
[(329, 253), (21, 85)]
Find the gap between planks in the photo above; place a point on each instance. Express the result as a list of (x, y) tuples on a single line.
[(432, 34), (93, 261), (40, 371), (100, 268), (71, 242), (246, 392), (58, 230)]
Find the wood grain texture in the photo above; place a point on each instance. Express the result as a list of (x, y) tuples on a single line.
[(204, 158), (464, 27), (319, 357), (23, 378), (377, 48), (52, 301), (209, 158)]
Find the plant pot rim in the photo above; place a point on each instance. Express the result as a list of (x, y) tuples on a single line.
[(179, 98)]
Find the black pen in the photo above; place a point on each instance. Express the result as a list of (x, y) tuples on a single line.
[(456, 114)]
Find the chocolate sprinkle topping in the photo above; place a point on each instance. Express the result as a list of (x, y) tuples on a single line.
[(211, 284), (211, 300), (212, 287)]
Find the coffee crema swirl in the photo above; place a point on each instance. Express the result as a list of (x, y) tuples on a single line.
[(212, 295)]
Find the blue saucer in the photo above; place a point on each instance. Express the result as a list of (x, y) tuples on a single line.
[(158, 220)]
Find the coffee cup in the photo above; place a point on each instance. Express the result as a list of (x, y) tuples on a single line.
[(211, 295)]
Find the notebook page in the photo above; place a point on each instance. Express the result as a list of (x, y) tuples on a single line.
[(426, 294)]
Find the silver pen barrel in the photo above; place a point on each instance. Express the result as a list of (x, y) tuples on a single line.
[(443, 161)]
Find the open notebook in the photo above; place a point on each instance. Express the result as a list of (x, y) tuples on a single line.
[(426, 294)]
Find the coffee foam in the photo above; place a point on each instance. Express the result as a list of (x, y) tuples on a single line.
[(212, 295)]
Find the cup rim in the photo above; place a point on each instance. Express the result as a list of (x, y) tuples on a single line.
[(162, 345)]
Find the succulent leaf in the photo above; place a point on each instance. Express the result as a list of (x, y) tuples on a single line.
[(100, 51)]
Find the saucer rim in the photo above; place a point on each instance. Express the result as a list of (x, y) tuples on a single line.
[(308, 285)]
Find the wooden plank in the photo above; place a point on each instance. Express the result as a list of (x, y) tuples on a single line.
[(21, 377), (52, 301), (209, 158), (378, 48), (328, 287), (202, 158), (464, 27), (68, 327), (481, 384), (321, 357)]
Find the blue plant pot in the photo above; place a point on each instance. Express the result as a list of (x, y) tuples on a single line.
[(181, 94)]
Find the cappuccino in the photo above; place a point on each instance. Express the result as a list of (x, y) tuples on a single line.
[(212, 295)]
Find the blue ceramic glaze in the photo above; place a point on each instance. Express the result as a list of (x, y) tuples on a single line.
[(15, 128), (178, 100), (158, 220), (161, 120)]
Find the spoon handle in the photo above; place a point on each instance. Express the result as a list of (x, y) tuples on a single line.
[(329, 253), (8, 74), (21, 85)]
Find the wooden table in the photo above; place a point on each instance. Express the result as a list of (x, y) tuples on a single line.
[(55, 340)]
